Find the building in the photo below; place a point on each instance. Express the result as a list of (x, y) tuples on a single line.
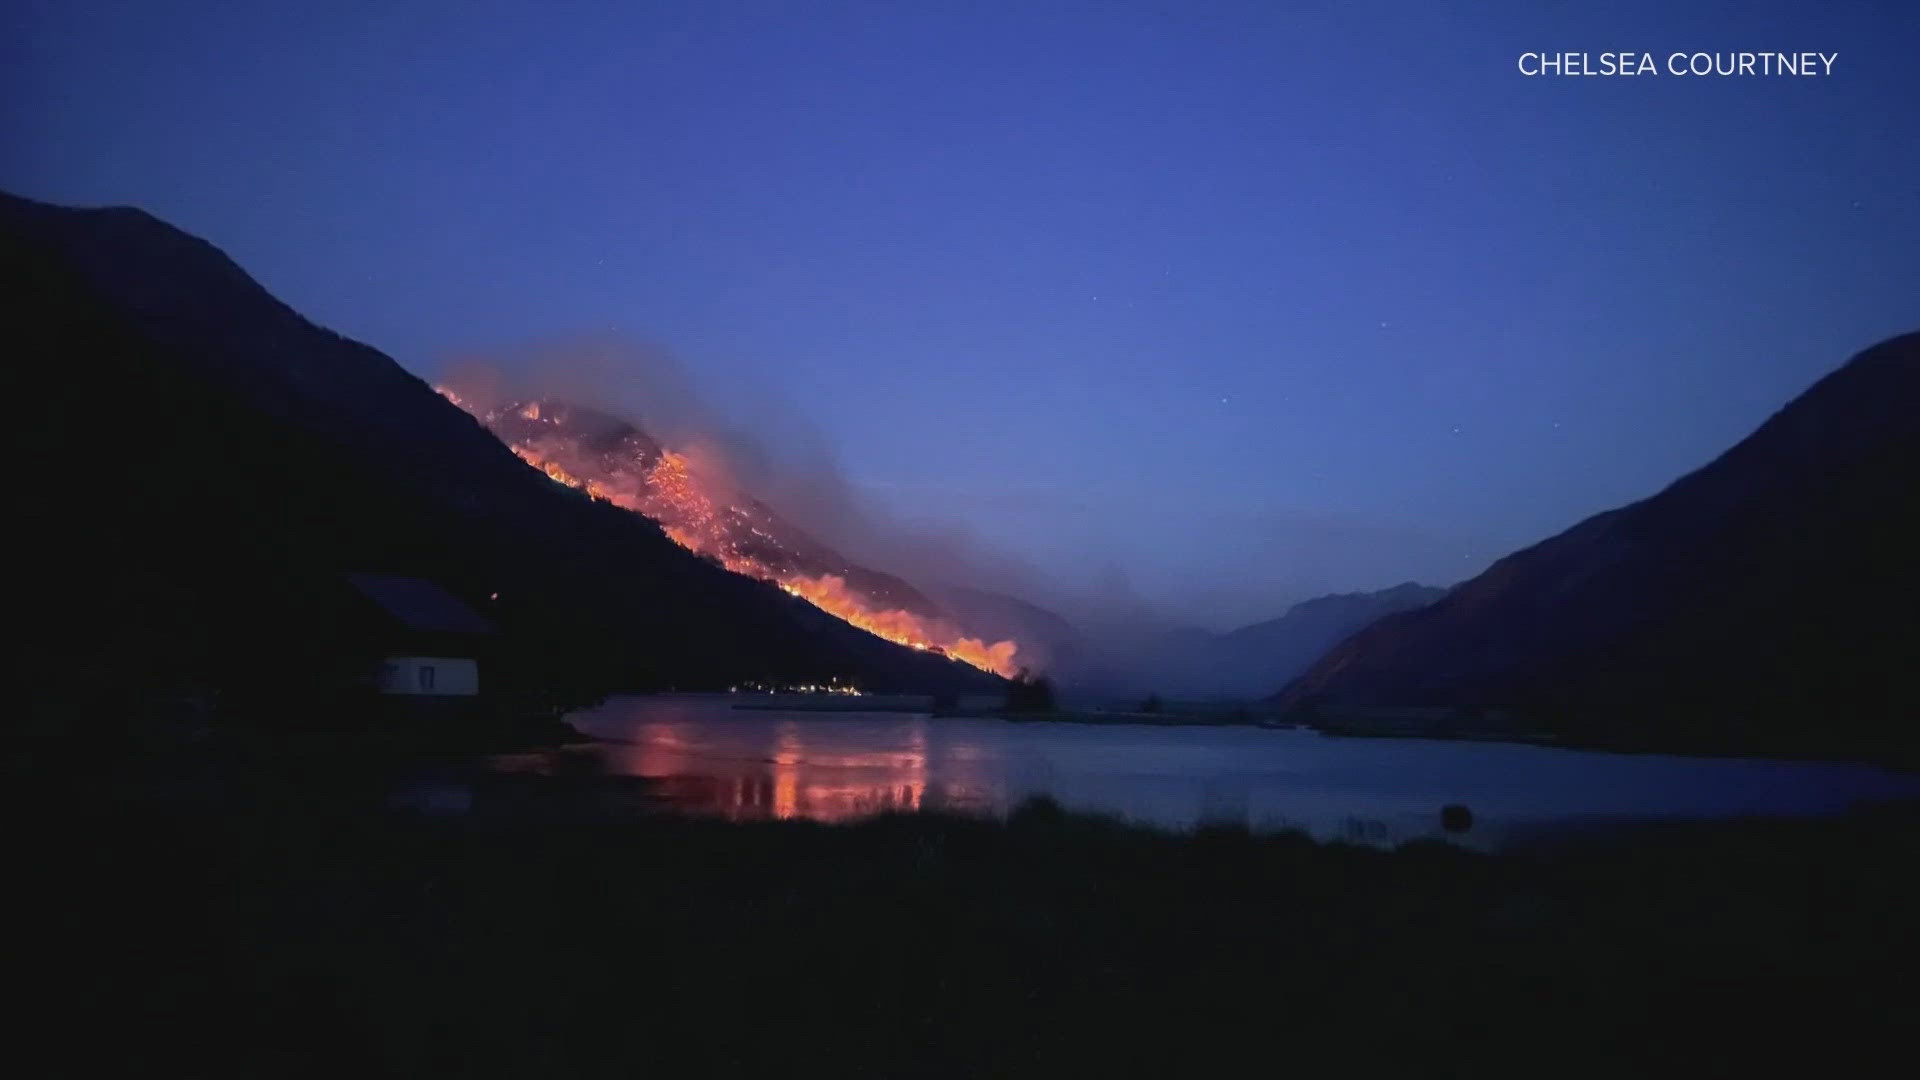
[(432, 645)]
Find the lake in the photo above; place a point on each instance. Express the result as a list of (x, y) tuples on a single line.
[(709, 757)]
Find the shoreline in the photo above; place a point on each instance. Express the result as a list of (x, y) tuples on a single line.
[(1228, 716)]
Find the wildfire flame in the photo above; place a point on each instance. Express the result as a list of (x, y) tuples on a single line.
[(663, 485)]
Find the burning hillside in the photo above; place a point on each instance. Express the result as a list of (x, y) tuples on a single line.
[(612, 460)]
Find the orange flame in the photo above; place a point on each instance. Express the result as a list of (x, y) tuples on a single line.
[(672, 495), (830, 594)]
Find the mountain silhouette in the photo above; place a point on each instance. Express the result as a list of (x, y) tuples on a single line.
[(203, 464), (1245, 663), (1767, 602)]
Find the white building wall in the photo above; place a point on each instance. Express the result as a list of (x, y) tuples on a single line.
[(439, 676)]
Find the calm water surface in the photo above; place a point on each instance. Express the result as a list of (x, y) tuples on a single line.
[(710, 757)]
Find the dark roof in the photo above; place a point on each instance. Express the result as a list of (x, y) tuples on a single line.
[(420, 605)]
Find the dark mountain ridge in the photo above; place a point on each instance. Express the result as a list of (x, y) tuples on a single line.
[(208, 462), (1767, 602)]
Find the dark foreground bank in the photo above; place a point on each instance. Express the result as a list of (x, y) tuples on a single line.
[(307, 934)]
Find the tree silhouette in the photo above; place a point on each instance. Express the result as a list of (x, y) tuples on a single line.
[(1030, 693)]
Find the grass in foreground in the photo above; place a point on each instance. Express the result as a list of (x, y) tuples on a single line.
[(331, 937)]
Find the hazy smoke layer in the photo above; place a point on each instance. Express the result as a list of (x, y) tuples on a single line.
[(1099, 626), (763, 446)]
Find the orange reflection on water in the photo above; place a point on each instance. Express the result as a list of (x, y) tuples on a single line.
[(789, 775), (789, 752)]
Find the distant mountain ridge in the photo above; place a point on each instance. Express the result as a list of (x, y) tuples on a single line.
[(1767, 602), (1247, 663), (1294, 640)]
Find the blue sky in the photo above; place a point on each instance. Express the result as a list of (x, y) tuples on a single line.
[(1230, 303)]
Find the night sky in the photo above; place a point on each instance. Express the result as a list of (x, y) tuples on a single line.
[(1231, 304)]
